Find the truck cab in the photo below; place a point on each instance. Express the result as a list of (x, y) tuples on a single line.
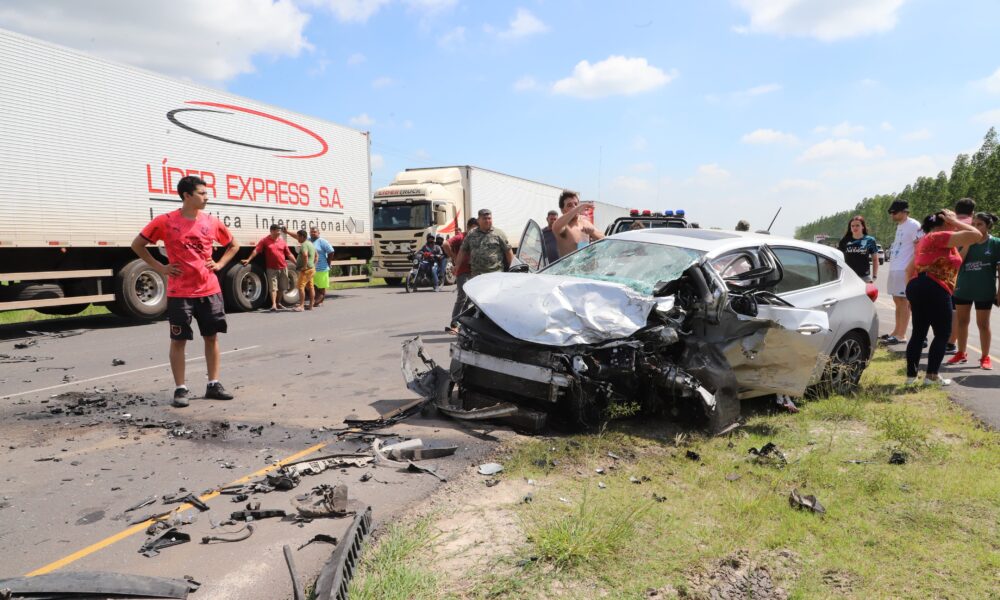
[(405, 211)]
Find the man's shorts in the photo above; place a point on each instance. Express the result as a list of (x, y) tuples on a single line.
[(321, 279), (306, 278), (276, 276), (209, 311), (980, 304), (896, 285)]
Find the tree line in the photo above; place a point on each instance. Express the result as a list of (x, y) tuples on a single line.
[(976, 177)]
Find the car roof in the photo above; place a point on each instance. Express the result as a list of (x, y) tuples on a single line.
[(715, 242)]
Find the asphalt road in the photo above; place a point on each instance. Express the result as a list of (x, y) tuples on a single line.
[(972, 387), (68, 479)]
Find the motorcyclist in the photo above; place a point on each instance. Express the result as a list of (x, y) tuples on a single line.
[(435, 257), (442, 263)]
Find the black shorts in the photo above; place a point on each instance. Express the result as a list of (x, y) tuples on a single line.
[(209, 311), (980, 304)]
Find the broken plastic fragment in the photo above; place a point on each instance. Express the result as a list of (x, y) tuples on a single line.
[(692, 455), (796, 500), (490, 468)]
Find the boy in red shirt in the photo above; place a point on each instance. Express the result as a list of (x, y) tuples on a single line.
[(192, 288)]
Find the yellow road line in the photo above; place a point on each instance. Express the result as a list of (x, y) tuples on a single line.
[(62, 562)]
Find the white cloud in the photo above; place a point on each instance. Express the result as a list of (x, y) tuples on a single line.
[(213, 41), (840, 149), (453, 38), (643, 167), (377, 162), (917, 135), (362, 120), (769, 136), (759, 90), (712, 172), (382, 82), (885, 126), (525, 84), (841, 130), (616, 75), (523, 24), (350, 11), (356, 59), (631, 184), (431, 6), (991, 84), (990, 117), (639, 144), (825, 20)]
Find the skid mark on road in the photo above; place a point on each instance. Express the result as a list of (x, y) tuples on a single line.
[(62, 562), (115, 374)]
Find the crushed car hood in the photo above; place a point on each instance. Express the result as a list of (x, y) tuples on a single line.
[(555, 310)]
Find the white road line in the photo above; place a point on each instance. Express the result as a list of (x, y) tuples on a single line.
[(119, 373)]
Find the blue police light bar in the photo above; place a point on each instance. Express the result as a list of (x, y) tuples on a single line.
[(668, 213), (680, 212)]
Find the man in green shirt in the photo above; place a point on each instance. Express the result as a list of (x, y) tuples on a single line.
[(305, 263), (487, 248)]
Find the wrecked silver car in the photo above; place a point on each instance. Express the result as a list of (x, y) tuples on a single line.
[(683, 321)]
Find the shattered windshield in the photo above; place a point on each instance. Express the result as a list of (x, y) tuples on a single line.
[(638, 265)]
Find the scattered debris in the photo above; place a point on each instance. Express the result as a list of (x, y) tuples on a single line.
[(415, 468), (659, 498), (141, 504), (332, 461), (796, 500), (769, 454), (336, 574), (172, 537), (599, 470), (692, 455), (601, 485), (320, 537), (27, 344), (11, 359), (231, 536), (490, 468), (96, 584), (733, 477), (365, 476), (256, 514), (491, 482), (58, 334), (297, 592), (417, 450), (898, 458), (323, 501), (117, 362), (613, 456)]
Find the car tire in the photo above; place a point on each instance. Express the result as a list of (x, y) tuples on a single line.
[(244, 288), (848, 360), (140, 292)]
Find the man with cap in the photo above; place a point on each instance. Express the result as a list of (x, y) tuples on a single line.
[(900, 254), (549, 238), (487, 248)]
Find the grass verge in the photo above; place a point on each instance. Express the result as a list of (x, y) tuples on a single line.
[(718, 519), (28, 316), (395, 569)]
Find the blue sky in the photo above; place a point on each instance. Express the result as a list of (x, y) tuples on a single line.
[(727, 108)]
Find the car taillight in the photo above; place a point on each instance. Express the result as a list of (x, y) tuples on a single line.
[(871, 290)]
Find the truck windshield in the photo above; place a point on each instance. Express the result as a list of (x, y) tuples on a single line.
[(402, 216)]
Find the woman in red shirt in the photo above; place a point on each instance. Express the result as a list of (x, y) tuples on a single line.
[(932, 282)]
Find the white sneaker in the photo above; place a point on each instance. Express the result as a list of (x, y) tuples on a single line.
[(911, 380), (940, 381)]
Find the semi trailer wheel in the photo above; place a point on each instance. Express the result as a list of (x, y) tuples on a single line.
[(244, 288), (140, 292)]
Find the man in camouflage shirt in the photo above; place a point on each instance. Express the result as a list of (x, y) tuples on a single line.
[(486, 247)]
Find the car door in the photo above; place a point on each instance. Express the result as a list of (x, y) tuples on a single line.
[(814, 281), (531, 250)]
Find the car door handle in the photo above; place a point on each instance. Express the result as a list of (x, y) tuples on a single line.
[(830, 302), (809, 329)]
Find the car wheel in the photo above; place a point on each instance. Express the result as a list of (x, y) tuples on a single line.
[(847, 361)]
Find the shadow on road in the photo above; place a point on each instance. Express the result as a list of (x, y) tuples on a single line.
[(90, 322), (984, 382)]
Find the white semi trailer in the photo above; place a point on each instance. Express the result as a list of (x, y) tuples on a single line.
[(439, 199), (91, 150)]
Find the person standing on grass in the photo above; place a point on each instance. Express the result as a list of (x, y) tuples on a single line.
[(860, 249), (900, 254), (275, 252), (193, 290), (305, 264), (977, 285), (462, 273), (324, 254), (934, 271)]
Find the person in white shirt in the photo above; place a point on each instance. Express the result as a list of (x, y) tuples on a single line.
[(900, 254)]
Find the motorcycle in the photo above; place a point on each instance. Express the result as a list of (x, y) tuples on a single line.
[(420, 273)]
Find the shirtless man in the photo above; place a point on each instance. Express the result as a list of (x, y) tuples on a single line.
[(572, 230)]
